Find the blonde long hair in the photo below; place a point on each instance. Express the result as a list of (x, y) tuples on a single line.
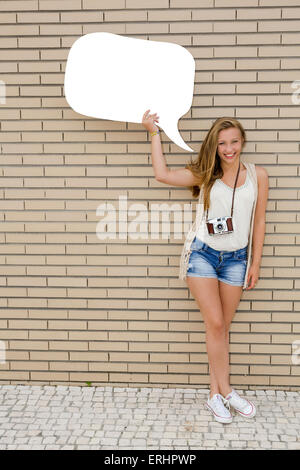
[(207, 168)]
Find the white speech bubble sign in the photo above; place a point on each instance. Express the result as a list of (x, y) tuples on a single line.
[(114, 77)]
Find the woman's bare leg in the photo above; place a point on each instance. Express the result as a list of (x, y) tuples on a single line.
[(207, 296), (230, 298)]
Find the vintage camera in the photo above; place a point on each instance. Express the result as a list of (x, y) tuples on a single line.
[(219, 225)]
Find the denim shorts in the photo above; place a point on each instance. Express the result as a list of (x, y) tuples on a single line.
[(227, 266)]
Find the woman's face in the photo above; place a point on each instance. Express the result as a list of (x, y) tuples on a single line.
[(229, 144)]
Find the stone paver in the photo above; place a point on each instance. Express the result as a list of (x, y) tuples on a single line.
[(69, 418)]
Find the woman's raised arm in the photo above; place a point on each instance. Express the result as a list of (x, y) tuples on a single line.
[(179, 177)]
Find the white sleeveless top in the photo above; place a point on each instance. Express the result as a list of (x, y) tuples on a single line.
[(220, 206)]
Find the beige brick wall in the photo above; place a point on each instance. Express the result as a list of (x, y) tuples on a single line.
[(74, 308)]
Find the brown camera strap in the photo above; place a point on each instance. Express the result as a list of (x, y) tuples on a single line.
[(236, 178)]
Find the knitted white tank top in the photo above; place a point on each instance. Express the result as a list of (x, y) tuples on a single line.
[(220, 206)]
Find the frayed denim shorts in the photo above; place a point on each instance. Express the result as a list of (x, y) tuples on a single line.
[(227, 266)]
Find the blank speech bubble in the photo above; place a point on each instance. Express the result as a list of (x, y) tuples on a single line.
[(118, 78)]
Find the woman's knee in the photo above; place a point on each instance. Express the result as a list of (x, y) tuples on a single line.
[(216, 325)]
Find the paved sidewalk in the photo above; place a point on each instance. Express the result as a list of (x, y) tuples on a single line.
[(60, 417)]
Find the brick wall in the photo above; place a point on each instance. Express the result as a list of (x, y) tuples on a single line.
[(78, 309)]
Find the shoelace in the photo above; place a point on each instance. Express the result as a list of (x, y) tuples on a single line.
[(226, 403), (219, 402), (239, 402)]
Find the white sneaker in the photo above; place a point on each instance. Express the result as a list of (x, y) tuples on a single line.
[(243, 406), (216, 406)]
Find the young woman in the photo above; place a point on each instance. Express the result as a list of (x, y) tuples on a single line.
[(216, 258)]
